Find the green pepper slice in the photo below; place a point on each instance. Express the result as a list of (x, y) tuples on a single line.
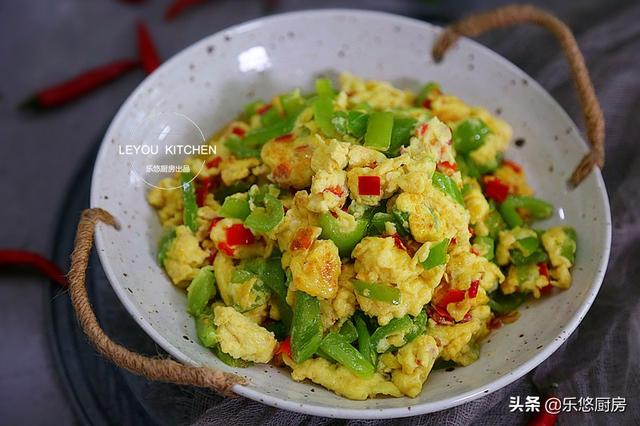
[(437, 254), (470, 135), (206, 330), (265, 219), (165, 244), (324, 87), (379, 130), (323, 112), (504, 303), (397, 327), (379, 292), (201, 290), (229, 360), (235, 207), (364, 339), (337, 347), (344, 240), (306, 327), (485, 246), (190, 207), (445, 184), (539, 209), (400, 135), (348, 330), (425, 91)]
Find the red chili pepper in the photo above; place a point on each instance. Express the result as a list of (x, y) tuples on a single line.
[(465, 318), (426, 104), (447, 167), (214, 222), (225, 248), (238, 235), (212, 255), (284, 347), (440, 316), (202, 190), (80, 85), (543, 270), (451, 296), (495, 323), (147, 51), (495, 189), (214, 162), (473, 289), (453, 241), (336, 190), (512, 165), (398, 242), (178, 6), (284, 138), (263, 109), (239, 132), (544, 417), (35, 260), (423, 129), (369, 185)]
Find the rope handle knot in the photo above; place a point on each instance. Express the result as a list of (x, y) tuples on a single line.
[(160, 369), (506, 16)]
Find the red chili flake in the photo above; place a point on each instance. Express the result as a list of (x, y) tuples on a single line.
[(80, 85), (440, 316), (214, 222), (474, 251), (495, 323), (214, 162), (546, 289), (282, 172), (426, 104), (284, 347), (369, 185), (35, 260), (447, 167), (202, 190), (453, 241), (264, 108), (336, 190), (284, 138), (371, 165), (473, 289), (225, 248), (398, 242), (212, 255), (512, 165), (302, 239), (301, 148), (543, 270), (178, 6), (495, 189), (451, 296), (334, 214), (147, 52), (238, 235), (465, 318), (423, 129), (238, 131)]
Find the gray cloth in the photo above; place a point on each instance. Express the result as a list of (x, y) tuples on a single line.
[(46, 41)]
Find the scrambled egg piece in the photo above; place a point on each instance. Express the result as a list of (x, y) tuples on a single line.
[(456, 340), (516, 181), (168, 202), (242, 338), (342, 306), (316, 270), (507, 240), (235, 169), (378, 260), (561, 247), (184, 258), (378, 94), (410, 367), (475, 201), (340, 380), (290, 161), (525, 279)]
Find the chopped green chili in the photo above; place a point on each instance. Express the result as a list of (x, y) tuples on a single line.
[(337, 347), (379, 130), (201, 290), (235, 207), (379, 292), (165, 244), (306, 327), (437, 254), (445, 184)]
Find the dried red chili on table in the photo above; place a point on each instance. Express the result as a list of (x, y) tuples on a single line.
[(147, 52), (35, 260), (80, 85)]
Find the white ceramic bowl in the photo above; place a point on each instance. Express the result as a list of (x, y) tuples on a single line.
[(211, 80)]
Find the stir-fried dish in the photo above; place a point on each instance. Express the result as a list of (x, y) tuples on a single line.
[(360, 237)]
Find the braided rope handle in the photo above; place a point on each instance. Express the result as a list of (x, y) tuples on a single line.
[(506, 16), (160, 369)]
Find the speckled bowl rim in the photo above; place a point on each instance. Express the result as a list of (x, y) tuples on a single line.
[(308, 407)]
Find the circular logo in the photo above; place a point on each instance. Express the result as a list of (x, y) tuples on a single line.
[(158, 147)]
